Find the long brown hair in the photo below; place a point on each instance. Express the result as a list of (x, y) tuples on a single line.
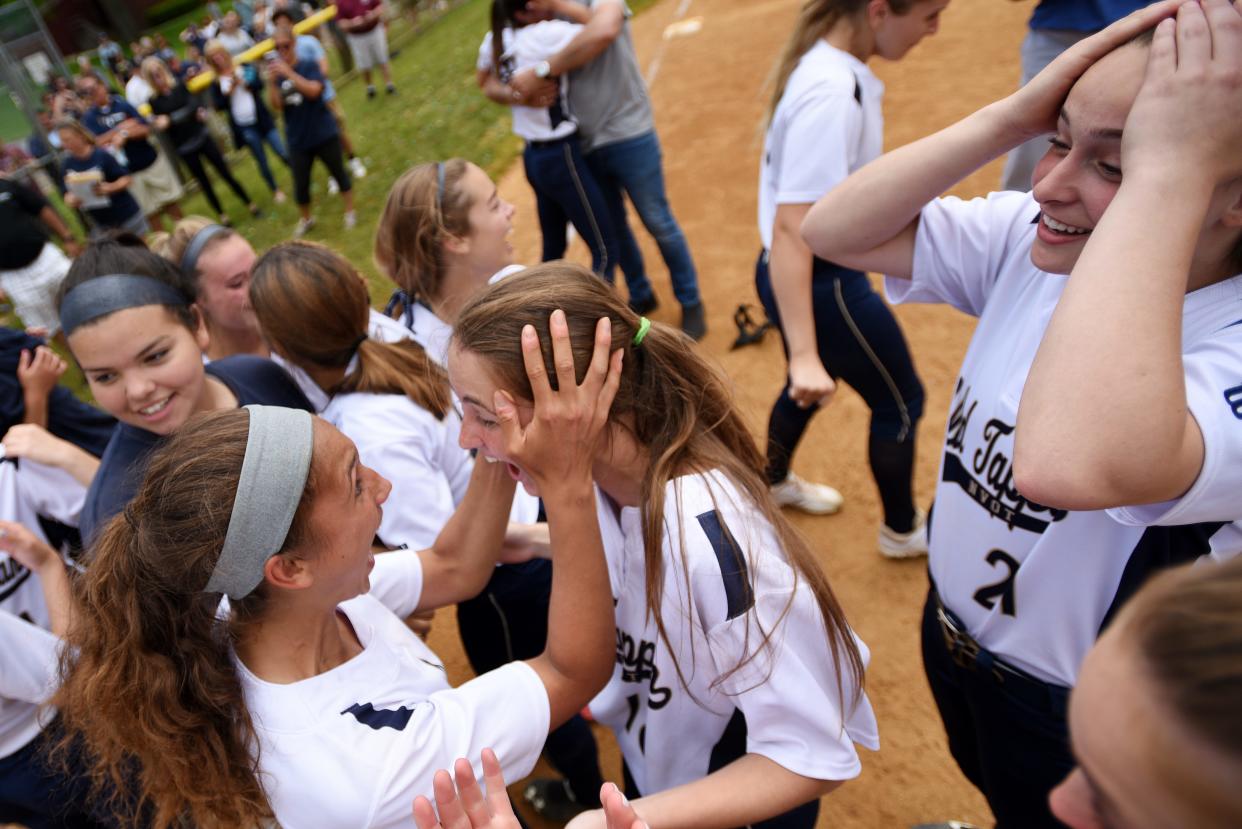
[(815, 19), (418, 217), (149, 696), (503, 17), (679, 406), (313, 307)]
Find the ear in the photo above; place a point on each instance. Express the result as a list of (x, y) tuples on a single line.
[(201, 336), (287, 573), (456, 245), (878, 11), (1232, 217)]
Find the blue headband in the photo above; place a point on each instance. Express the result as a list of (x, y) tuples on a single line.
[(273, 476), (105, 295), (189, 259)]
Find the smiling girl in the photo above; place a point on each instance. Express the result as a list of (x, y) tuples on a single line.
[(131, 323), (737, 694), (1128, 445)]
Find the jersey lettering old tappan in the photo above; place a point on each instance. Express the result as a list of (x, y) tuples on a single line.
[(1035, 584), (671, 732)]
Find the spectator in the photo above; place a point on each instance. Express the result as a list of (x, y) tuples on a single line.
[(31, 267), (110, 52), (245, 10), (295, 87), (43, 144), (138, 90), (232, 36), (238, 92), (192, 36), (179, 114), (191, 66), (1055, 26), (163, 50), (619, 140), (108, 202), (363, 24), (309, 48), (118, 126)]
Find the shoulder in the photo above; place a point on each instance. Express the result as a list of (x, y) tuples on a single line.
[(713, 513), (258, 380), (823, 72), (378, 417)]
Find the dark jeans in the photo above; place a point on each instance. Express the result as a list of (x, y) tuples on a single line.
[(38, 796), (329, 152), (254, 142), (1010, 738), (861, 343), (565, 191), (634, 166), (509, 621), (211, 152)]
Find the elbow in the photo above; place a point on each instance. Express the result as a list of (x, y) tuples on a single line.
[(1064, 481), (816, 232)]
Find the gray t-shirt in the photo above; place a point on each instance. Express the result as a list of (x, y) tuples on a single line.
[(608, 95)]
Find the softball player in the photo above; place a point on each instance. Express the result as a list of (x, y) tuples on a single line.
[(1121, 382), (825, 121), (737, 691)]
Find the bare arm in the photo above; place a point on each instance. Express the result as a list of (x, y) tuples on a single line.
[(607, 19), (868, 222), (36, 556), (494, 88), (57, 225), (789, 263), (28, 440), (1103, 420)]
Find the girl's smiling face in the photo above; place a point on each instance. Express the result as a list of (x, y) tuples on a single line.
[(490, 220), (144, 366), (74, 143), (474, 386), (224, 284)]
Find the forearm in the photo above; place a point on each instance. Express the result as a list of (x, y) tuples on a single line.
[(309, 89), (578, 658), (53, 220), (459, 563), (789, 265), (571, 11), (79, 463), (495, 89), (746, 791), (883, 199), (601, 29), (1103, 419), (54, 580), (36, 408)]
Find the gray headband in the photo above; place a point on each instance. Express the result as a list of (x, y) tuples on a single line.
[(273, 477), (189, 259), (105, 295)]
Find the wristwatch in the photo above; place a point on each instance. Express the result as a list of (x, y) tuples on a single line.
[(543, 69)]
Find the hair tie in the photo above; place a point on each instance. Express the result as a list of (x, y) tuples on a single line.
[(279, 445), (88, 301), (189, 258), (644, 325), (353, 349)]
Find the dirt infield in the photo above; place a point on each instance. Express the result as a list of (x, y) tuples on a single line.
[(709, 102)]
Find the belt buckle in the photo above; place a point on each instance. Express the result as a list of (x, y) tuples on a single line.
[(963, 647)]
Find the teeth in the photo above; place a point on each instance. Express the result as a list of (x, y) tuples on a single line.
[(1060, 228), (155, 407), (487, 458)]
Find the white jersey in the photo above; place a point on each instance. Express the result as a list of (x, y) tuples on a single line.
[(418, 454), (525, 47), (828, 123), (28, 668), (1031, 583), (379, 327), (355, 745), (787, 695)]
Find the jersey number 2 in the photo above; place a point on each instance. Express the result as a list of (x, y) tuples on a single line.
[(1003, 589)]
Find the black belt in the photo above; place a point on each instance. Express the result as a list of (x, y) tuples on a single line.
[(552, 142), (970, 655)]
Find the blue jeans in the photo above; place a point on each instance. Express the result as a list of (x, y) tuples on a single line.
[(635, 167), (565, 191), (254, 141)]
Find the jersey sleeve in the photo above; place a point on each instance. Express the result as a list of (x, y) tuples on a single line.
[(484, 61), (505, 710), (397, 581), (52, 492), (796, 715), (551, 36), (28, 670), (819, 141), (962, 246), (1214, 398)]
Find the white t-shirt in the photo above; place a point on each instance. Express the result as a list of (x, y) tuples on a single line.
[(416, 452), (828, 123), (525, 47), (355, 745), (237, 42), (138, 91), (1033, 584), (243, 107), (28, 667), (788, 692)]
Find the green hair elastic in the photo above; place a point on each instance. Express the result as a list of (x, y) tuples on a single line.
[(644, 325)]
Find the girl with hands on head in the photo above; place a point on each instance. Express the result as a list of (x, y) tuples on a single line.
[(1093, 436), (310, 702), (737, 693)]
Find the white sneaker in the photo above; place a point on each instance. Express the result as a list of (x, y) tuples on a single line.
[(333, 187), (817, 499), (302, 227), (905, 545), (351, 220), (357, 168)]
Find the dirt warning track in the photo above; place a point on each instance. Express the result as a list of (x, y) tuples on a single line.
[(708, 89)]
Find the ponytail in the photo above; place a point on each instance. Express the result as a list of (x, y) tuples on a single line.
[(314, 309)]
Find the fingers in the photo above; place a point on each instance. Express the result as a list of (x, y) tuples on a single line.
[(1225, 26), (597, 371), (1162, 57), (1194, 42), (532, 356), (469, 794), (608, 392), (425, 814), (1129, 27), (618, 812), (562, 351), (494, 780), (506, 417), (452, 815)]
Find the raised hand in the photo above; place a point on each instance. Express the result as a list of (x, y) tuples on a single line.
[(464, 806)]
